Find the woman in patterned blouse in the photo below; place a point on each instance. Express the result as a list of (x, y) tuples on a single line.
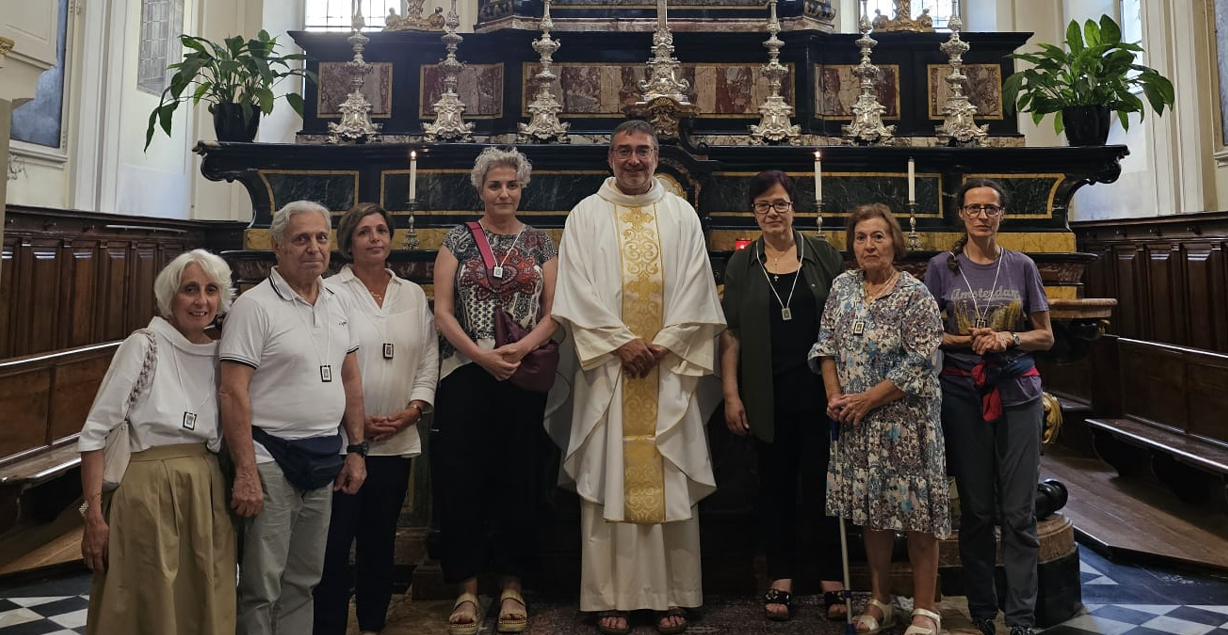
[(878, 338), (488, 444)]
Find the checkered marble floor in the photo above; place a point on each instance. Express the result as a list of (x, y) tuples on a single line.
[(1119, 599)]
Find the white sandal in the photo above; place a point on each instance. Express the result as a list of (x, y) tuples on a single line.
[(913, 629), (871, 623)]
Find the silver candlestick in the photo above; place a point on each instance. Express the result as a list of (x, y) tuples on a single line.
[(914, 238), (959, 124), (663, 99), (774, 123), (867, 127), (449, 124), (355, 122), (545, 124), (411, 237)]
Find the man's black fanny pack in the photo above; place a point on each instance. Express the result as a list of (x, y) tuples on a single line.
[(307, 463)]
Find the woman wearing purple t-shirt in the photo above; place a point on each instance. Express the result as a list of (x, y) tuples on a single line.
[(996, 314)]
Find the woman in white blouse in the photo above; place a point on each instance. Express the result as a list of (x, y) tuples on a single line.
[(161, 545), (398, 356)]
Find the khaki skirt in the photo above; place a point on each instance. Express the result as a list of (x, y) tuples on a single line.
[(171, 550)]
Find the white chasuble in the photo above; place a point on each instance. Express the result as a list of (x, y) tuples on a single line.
[(637, 266)]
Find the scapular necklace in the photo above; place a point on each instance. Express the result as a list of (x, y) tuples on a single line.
[(189, 415), (982, 320), (786, 313)]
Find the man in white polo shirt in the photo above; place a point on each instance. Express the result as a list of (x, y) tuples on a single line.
[(289, 376)]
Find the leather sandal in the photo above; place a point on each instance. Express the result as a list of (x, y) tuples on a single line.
[(610, 630), (778, 596), (465, 628), (673, 611), (913, 629), (871, 624), (515, 624)]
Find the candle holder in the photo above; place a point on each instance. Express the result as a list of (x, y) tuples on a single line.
[(411, 237), (355, 110), (867, 127), (663, 100), (818, 218), (774, 123), (545, 125), (449, 124), (914, 238), (959, 124)]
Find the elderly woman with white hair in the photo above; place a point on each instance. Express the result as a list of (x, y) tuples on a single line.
[(489, 434), (162, 544)]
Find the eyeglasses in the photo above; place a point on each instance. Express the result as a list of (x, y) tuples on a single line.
[(763, 207), (990, 211), (641, 153)]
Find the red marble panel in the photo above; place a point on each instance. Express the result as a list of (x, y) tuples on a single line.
[(334, 87), (839, 88), (479, 87), (984, 89)]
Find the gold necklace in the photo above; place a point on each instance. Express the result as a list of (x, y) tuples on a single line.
[(882, 289), (776, 259)]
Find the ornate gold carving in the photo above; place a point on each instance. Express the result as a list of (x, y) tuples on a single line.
[(6, 45), (642, 312), (1053, 417), (413, 20), (903, 20)]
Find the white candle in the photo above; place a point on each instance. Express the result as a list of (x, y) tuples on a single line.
[(912, 181), (413, 175), (818, 178)]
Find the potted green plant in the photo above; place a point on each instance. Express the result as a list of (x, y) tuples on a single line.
[(1084, 84), (236, 78)]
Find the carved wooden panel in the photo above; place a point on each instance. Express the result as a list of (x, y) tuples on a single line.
[(1154, 383), (6, 297), (1207, 389), (79, 292), (37, 302), (113, 286), (76, 383), (23, 400), (142, 270)]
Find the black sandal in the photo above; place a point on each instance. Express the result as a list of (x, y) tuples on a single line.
[(674, 611), (777, 596), (610, 630), (834, 598)]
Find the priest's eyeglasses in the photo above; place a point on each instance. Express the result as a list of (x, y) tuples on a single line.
[(642, 152), (763, 207), (990, 211)]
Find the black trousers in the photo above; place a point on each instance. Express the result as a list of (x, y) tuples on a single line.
[(796, 462), (370, 519), (486, 455)]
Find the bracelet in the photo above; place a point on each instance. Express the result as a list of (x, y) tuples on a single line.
[(415, 407)]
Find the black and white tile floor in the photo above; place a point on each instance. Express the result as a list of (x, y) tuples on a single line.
[(1120, 599)]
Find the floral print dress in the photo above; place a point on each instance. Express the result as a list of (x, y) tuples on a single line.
[(889, 472)]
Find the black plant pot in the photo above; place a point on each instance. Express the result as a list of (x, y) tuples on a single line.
[(229, 124), (1086, 125)]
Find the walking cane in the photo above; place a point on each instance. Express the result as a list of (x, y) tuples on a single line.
[(849, 629)]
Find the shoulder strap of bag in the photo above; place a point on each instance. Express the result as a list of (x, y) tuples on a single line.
[(479, 238), (147, 369)]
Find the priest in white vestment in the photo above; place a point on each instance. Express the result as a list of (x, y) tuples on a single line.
[(636, 292)]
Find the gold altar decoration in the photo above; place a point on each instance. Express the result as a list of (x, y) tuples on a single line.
[(413, 20), (903, 20)]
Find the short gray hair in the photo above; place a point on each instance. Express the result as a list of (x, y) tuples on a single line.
[(281, 220), (166, 285), (636, 125), (492, 158)]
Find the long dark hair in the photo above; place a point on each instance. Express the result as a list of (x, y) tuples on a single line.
[(972, 184)]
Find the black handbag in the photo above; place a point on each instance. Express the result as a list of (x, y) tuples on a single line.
[(307, 463)]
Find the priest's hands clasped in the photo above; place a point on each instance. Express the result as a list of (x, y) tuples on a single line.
[(639, 357)]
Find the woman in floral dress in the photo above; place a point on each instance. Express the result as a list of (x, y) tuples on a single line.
[(876, 349)]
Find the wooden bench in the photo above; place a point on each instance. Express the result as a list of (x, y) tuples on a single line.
[(44, 400), (1170, 419)]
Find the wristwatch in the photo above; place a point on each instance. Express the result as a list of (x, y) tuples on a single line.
[(1015, 339), (358, 448)]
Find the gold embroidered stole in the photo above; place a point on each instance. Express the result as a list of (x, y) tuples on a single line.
[(642, 312)]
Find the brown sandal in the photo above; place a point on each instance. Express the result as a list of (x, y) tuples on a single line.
[(610, 630)]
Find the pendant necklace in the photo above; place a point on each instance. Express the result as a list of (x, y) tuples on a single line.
[(388, 348), (859, 326), (497, 272), (189, 415), (982, 319), (786, 313), (326, 370)]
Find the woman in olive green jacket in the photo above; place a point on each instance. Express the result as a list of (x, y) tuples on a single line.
[(775, 291)]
